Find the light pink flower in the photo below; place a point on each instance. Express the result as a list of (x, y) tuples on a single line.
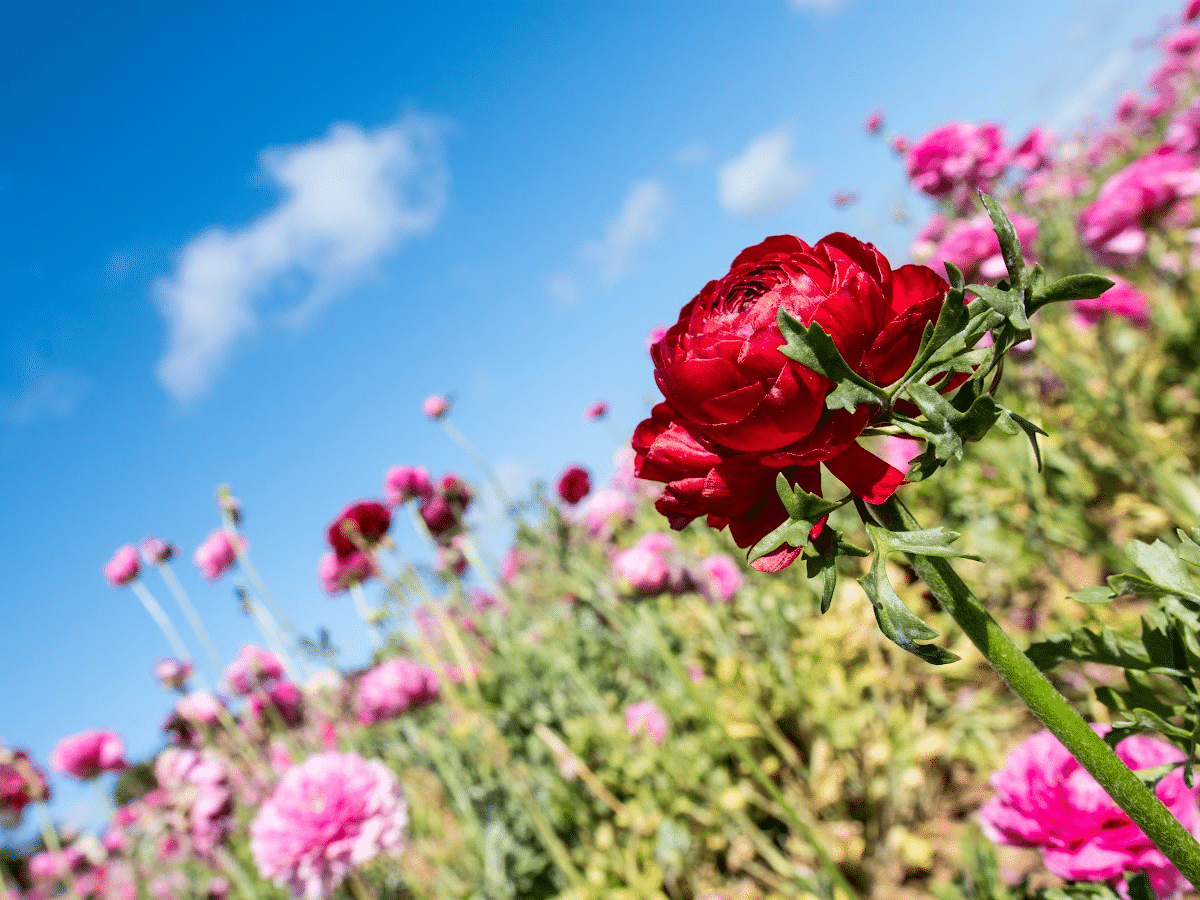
[(199, 708), (173, 673), (1157, 188), (596, 411), (404, 483), (646, 718), (337, 575), (436, 406), (393, 687), (254, 667), (874, 122), (87, 754), (641, 571), (155, 550), (972, 245), (123, 567), (1045, 799), (574, 484), (329, 815), (605, 511), (1122, 299), (198, 786), (216, 555), (958, 158), (723, 576)]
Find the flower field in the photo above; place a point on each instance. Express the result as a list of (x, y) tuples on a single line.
[(744, 666)]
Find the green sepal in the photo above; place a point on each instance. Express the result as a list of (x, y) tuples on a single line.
[(814, 349), (1073, 287), (1010, 244)]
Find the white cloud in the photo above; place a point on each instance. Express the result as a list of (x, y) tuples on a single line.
[(348, 199), (693, 153), (822, 7), (763, 179), (52, 394), (636, 225)]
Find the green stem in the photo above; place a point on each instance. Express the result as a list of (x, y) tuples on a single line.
[(1125, 788)]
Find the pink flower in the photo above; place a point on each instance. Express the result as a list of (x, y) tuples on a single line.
[(173, 673), (842, 199), (436, 406), (216, 555), (279, 704), (901, 144), (1183, 42), (641, 571), (724, 576), (646, 718), (123, 567), (404, 483), (198, 785), (1156, 188), (596, 411), (899, 452), (337, 575), (393, 687), (574, 484), (957, 158), (1127, 107), (605, 511), (972, 245), (89, 753), (1045, 799), (1122, 299), (21, 783), (450, 559), (155, 550), (369, 518), (874, 122), (1192, 11), (1033, 152), (1184, 131), (330, 814), (254, 667), (443, 512), (199, 708)]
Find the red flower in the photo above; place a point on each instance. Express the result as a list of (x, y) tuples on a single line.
[(737, 412), (574, 484), (372, 519)]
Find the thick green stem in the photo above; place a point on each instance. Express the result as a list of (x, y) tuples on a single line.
[(1048, 704)]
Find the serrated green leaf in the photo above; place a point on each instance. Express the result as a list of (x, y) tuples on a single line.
[(1010, 304), (1010, 244), (812, 347), (1082, 645), (1093, 595), (800, 504), (849, 395), (927, 542), (1163, 566), (899, 624), (1145, 720), (954, 275), (1073, 287), (791, 532)]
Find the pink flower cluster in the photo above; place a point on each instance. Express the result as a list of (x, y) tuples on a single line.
[(1045, 799), (254, 668), (328, 815), (393, 687), (971, 244), (199, 789), (957, 159)]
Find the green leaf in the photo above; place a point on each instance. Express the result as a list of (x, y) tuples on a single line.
[(1073, 287), (1163, 565), (1031, 432), (1188, 550), (1010, 304), (1145, 720), (791, 532), (954, 275), (1138, 885), (849, 395), (928, 542), (1010, 244), (800, 504), (1093, 595), (813, 348), (1082, 645)]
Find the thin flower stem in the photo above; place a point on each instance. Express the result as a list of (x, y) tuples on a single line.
[(54, 845), (365, 612), (467, 447), (1125, 788), (571, 766), (160, 617), (357, 888), (269, 630), (234, 869), (190, 613)]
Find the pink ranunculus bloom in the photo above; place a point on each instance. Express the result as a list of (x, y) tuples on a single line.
[(199, 708), (123, 567), (574, 484), (641, 571), (404, 483), (89, 753), (644, 717), (198, 785), (21, 783), (173, 673), (370, 518), (255, 667), (1183, 42), (392, 688), (436, 406), (1045, 799), (1127, 107), (722, 576), (155, 550), (596, 411), (329, 815), (874, 122), (280, 704), (958, 158), (1122, 299), (216, 555), (1033, 152), (337, 575), (605, 511), (1183, 133), (1156, 188), (972, 245)]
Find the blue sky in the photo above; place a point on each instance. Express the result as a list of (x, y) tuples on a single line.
[(241, 242)]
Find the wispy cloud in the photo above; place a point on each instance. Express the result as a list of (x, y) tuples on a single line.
[(821, 7), (636, 225), (764, 179), (563, 289), (51, 394), (693, 153), (348, 199)]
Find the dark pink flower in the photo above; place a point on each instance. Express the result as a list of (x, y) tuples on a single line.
[(393, 687), (645, 718), (123, 567), (337, 575), (641, 571), (369, 520), (1045, 799), (1122, 299), (280, 704), (723, 576), (216, 555), (155, 550), (1033, 152), (958, 158), (574, 484), (596, 411), (404, 483), (1127, 107), (21, 783), (1183, 133), (255, 667), (436, 406), (329, 815), (1192, 11), (173, 673), (1183, 42), (874, 122), (89, 753)]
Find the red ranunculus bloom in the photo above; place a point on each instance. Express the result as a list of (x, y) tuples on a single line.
[(737, 411), (574, 484), (373, 520)]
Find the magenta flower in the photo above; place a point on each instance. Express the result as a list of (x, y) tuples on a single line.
[(1033, 152), (646, 718), (330, 814), (370, 518), (1157, 188), (1122, 299), (255, 667), (1183, 134), (899, 452), (337, 575), (173, 673), (641, 571), (574, 484), (393, 687), (155, 550), (216, 555), (874, 122), (404, 483), (596, 411), (21, 783), (436, 406), (123, 567), (723, 576), (89, 753), (972, 245), (198, 786), (281, 703), (1045, 799), (957, 159)]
